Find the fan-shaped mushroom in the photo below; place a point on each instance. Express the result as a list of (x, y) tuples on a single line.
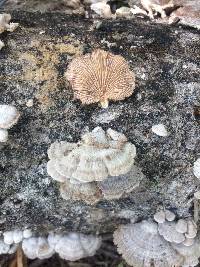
[(115, 187), (190, 253), (100, 77), (75, 246), (87, 192), (94, 159), (141, 245), (37, 247)]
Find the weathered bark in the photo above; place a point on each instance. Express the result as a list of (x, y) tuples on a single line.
[(32, 65)]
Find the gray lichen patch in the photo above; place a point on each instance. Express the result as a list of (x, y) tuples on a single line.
[(32, 67)]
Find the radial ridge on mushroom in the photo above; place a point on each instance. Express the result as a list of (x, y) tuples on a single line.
[(141, 245), (99, 77)]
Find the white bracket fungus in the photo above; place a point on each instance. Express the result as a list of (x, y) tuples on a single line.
[(158, 6), (102, 9), (113, 78), (141, 245), (5, 24), (1, 44), (96, 157), (160, 130), (8, 117), (37, 247), (75, 246), (182, 231), (196, 168), (101, 163)]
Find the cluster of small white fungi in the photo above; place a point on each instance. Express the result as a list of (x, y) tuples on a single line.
[(72, 246), (163, 243), (101, 165)]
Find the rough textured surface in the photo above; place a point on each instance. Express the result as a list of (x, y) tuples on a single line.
[(166, 62)]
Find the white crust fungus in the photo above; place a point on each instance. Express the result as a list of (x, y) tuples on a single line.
[(141, 245)]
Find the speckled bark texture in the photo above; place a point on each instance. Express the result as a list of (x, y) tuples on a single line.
[(32, 65)]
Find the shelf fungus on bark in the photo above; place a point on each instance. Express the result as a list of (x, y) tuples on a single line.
[(5, 24), (75, 246), (99, 77), (157, 5), (37, 247), (182, 231), (100, 166), (116, 187), (141, 245), (95, 157), (8, 117), (89, 192), (191, 253)]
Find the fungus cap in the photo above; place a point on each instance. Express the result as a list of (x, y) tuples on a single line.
[(160, 130), (159, 216), (3, 135), (87, 192), (168, 231), (141, 245), (99, 77), (8, 116), (1, 44), (116, 186), (95, 158), (37, 247), (75, 246), (196, 168)]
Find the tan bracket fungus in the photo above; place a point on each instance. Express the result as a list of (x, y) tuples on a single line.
[(99, 77), (101, 165)]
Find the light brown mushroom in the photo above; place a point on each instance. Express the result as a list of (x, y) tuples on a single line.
[(99, 77)]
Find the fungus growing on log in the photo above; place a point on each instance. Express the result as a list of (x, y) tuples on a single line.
[(100, 166), (99, 77), (8, 117), (75, 246), (96, 157), (158, 6), (5, 24), (141, 245)]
